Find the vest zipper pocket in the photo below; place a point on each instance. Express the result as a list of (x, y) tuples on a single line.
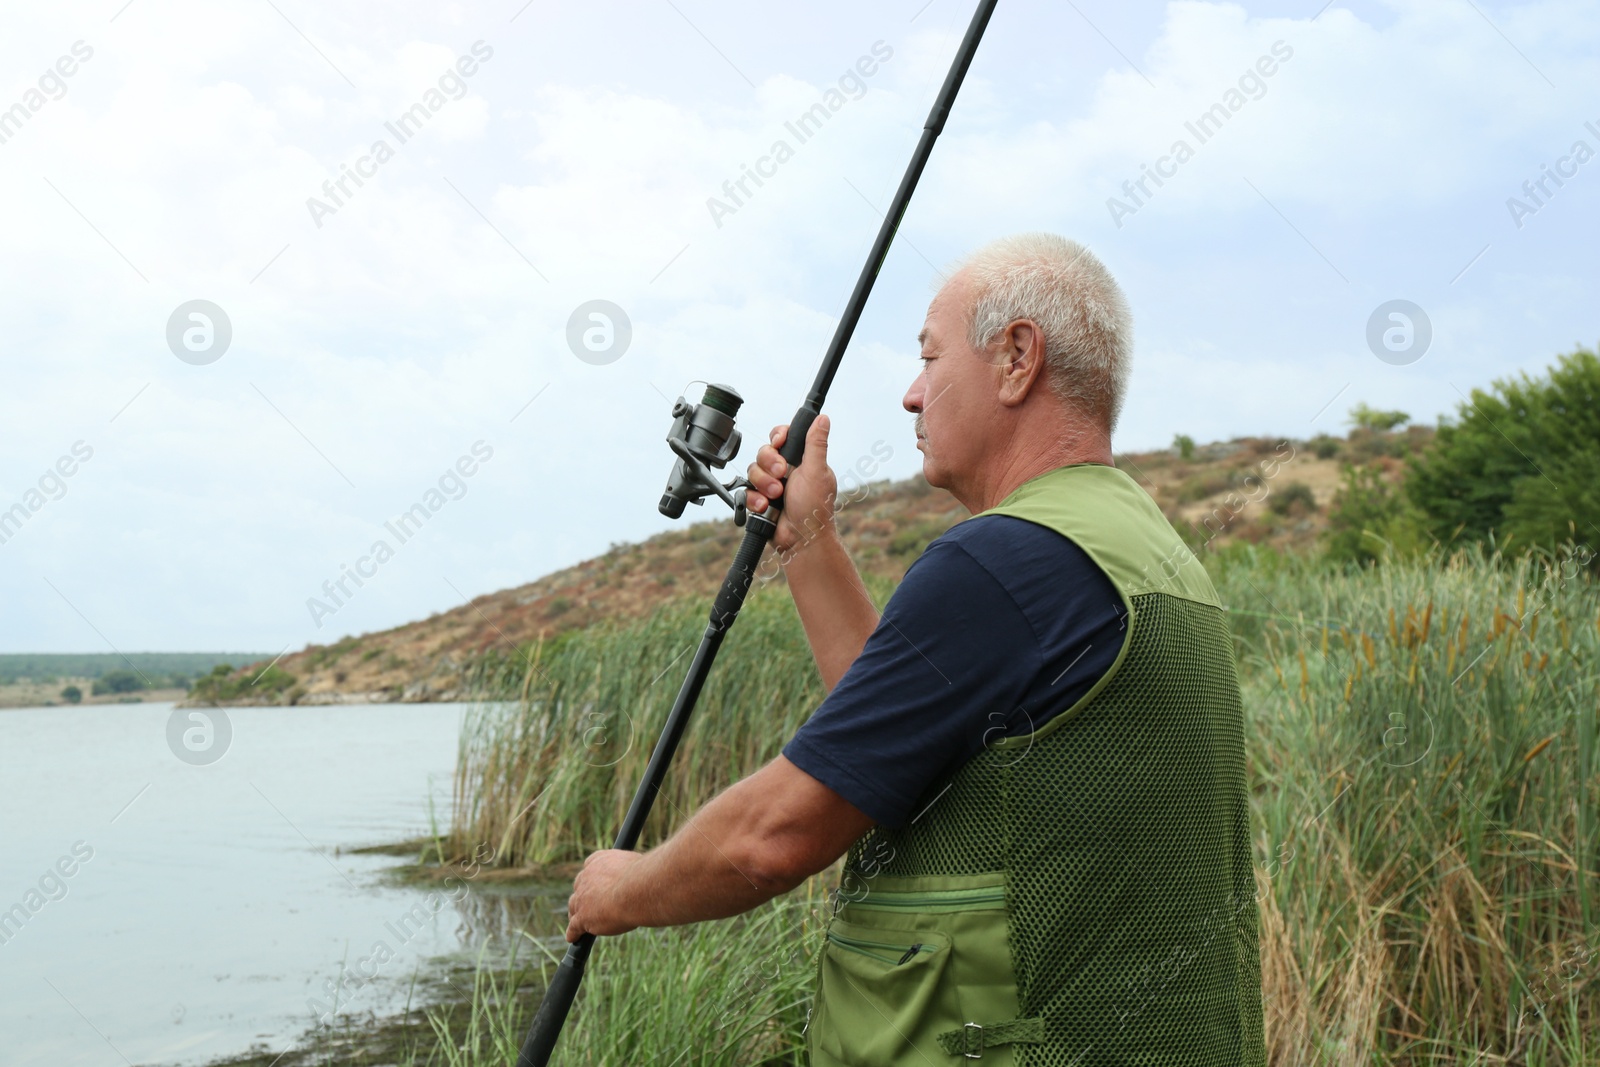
[(883, 997), (908, 961), (884, 951), (934, 900)]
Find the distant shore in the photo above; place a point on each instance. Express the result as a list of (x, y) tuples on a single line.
[(14, 695)]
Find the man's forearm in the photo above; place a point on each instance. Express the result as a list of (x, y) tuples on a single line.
[(834, 606), (759, 838), (691, 878)]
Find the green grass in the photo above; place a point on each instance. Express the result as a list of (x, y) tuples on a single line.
[(1424, 773), (1424, 766), (714, 994), (550, 779)]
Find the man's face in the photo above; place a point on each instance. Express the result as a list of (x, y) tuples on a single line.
[(954, 395)]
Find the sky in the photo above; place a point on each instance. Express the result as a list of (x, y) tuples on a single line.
[(422, 334)]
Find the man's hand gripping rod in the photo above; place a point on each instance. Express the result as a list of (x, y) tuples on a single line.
[(759, 530)]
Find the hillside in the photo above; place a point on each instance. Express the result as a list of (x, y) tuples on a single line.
[(1208, 497)]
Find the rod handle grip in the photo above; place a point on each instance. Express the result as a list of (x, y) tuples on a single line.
[(736, 584), (558, 998), (760, 528), (794, 445), (793, 451)]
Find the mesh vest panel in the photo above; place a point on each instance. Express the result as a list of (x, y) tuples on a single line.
[(1124, 830)]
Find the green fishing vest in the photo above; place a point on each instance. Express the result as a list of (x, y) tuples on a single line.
[(1084, 895)]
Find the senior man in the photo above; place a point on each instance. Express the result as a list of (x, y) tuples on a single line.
[(1034, 758)]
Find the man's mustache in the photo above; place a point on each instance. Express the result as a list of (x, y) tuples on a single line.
[(917, 426)]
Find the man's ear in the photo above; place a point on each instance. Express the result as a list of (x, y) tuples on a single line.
[(1020, 360)]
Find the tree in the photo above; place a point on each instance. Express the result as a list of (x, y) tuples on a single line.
[(1519, 460), (72, 694), (1561, 504), (116, 682), (1367, 418), (1185, 446), (1361, 512)]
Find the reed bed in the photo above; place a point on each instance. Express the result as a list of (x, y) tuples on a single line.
[(706, 995), (548, 764), (1422, 748)]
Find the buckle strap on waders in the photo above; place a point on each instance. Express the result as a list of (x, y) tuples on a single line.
[(972, 1039)]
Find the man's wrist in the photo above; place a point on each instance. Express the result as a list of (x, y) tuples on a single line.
[(631, 898), (825, 536)]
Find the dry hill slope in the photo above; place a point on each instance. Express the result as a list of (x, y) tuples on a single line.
[(1209, 498)]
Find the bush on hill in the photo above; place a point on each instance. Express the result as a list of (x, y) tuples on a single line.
[(1519, 462), (223, 685)]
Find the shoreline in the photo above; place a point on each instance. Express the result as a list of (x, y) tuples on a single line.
[(447, 988), (29, 697)]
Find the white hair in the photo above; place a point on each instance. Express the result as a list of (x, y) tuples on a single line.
[(1061, 286)]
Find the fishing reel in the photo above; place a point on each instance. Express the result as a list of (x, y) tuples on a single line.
[(703, 438)]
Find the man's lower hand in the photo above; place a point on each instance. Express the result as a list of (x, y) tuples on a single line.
[(593, 908)]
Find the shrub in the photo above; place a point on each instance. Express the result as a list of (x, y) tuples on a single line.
[(912, 540), (1562, 505), (324, 654), (222, 684), (1325, 447), (1368, 519), (1365, 446), (72, 694), (1517, 460), (1201, 486), (1286, 499)]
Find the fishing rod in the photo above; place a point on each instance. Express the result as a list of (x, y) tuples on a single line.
[(703, 438)]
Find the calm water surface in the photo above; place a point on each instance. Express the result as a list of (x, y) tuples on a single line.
[(215, 901)]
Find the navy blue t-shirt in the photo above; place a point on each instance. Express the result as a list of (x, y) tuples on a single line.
[(999, 625)]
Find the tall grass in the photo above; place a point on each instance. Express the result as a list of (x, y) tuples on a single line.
[(1424, 769), (1424, 760), (549, 778), (707, 995)]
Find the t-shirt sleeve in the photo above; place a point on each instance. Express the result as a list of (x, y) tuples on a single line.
[(950, 661)]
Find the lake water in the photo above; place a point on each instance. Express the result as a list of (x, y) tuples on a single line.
[(214, 901)]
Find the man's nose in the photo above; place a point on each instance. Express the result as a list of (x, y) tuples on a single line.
[(912, 401)]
